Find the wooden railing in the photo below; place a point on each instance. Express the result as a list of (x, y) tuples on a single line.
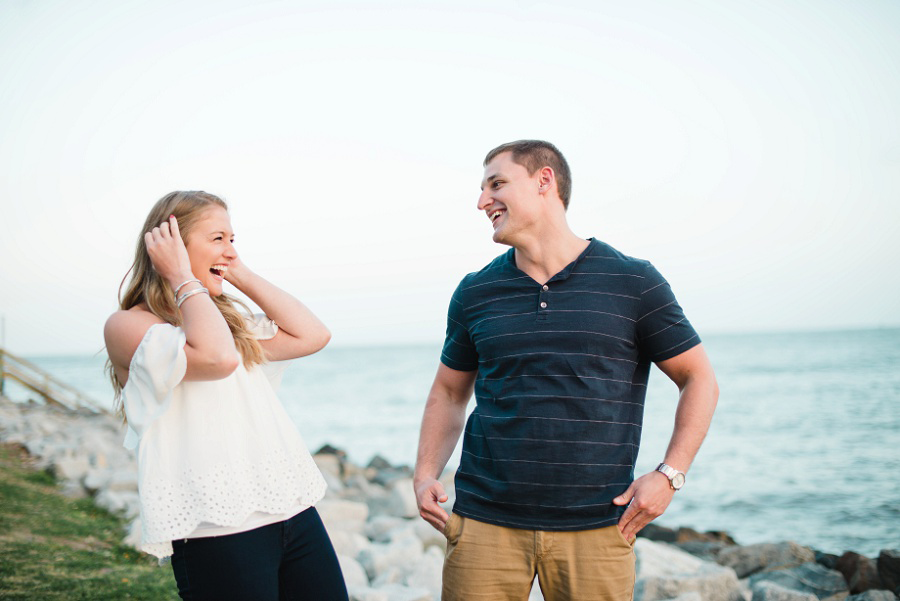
[(53, 390)]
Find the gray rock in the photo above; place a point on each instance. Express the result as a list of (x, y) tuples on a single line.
[(873, 595), (379, 527), (703, 549), (354, 574), (96, 479), (770, 591), (379, 463), (379, 557), (664, 572), (72, 467), (398, 592), (859, 571), (121, 502), (688, 596), (750, 559), (427, 572), (348, 543), (390, 575), (328, 464), (402, 499), (364, 593), (123, 481), (807, 578), (429, 535), (828, 560), (338, 514), (889, 568)]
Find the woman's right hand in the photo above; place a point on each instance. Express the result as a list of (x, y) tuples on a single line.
[(168, 253)]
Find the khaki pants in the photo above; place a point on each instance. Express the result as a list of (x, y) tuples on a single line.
[(485, 561)]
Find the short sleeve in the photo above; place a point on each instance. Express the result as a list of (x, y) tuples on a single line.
[(157, 367), (663, 330), (264, 328), (459, 351), (261, 326)]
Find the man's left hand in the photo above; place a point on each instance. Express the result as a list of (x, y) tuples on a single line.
[(649, 496)]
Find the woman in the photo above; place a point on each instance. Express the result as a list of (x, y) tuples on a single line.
[(227, 486)]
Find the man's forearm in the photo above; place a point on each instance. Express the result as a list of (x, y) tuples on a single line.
[(696, 405), (442, 423)]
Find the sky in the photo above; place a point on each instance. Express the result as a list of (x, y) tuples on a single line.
[(749, 149)]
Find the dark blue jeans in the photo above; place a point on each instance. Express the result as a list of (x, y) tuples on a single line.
[(291, 560)]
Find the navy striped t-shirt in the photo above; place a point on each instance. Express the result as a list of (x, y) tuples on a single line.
[(562, 376)]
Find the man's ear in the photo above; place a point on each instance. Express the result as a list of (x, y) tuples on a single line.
[(546, 179)]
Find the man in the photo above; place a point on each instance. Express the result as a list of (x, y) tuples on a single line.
[(556, 337)]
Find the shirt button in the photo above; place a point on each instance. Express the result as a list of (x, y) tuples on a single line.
[(543, 305), (545, 287)]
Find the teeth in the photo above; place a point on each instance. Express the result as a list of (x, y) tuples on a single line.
[(222, 268), (493, 216)]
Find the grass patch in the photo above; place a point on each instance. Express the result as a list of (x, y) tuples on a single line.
[(52, 547)]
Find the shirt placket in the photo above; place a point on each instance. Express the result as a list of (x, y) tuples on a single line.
[(543, 309)]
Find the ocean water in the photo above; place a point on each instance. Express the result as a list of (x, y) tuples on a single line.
[(804, 446)]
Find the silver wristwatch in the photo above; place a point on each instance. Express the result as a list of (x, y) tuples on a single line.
[(676, 478)]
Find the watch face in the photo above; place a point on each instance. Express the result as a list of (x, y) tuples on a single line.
[(677, 481)]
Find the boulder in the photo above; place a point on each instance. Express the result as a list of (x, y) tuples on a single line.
[(123, 481), (339, 514), (125, 503), (96, 479), (70, 467), (873, 595), (402, 499), (427, 572), (379, 463), (750, 559), (379, 557), (770, 591), (828, 560), (703, 549), (364, 593), (664, 572), (379, 527), (328, 463), (889, 568), (398, 592), (354, 574), (348, 543), (860, 572), (429, 535), (806, 578), (390, 575)]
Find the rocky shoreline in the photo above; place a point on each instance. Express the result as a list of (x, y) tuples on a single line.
[(388, 554)]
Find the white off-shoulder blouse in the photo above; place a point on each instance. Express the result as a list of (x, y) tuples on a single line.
[(214, 457)]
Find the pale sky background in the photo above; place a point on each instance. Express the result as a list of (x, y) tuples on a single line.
[(750, 150)]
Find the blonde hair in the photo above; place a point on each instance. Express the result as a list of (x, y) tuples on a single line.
[(146, 285)]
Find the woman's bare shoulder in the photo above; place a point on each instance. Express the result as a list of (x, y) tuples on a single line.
[(124, 331)]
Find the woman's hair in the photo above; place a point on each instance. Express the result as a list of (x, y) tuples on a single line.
[(146, 285)]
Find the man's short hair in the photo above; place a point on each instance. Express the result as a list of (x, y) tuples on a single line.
[(534, 155)]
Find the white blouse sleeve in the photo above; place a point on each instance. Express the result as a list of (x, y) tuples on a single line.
[(157, 367), (264, 328)]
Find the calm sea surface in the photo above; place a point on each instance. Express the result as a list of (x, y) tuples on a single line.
[(805, 444)]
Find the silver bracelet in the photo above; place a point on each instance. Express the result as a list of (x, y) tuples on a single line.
[(185, 283), (189, 294)]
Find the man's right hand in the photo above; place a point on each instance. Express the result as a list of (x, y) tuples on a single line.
[(430, 492)]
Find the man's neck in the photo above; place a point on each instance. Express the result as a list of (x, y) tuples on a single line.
[(545, 255)]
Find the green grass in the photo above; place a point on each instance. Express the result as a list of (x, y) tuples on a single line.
[(52, 547)]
